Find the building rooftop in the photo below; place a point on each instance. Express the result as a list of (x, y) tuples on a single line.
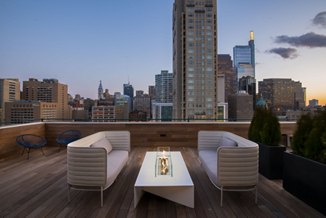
[(38, 188)]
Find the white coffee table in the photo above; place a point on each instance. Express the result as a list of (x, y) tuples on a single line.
[(178, 188)]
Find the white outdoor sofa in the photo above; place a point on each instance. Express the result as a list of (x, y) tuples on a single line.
[(230, 161), (95, 161)]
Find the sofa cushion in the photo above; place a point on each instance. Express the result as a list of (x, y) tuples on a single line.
[(208, 158), (103, 143), (226, 142), (116, 160)]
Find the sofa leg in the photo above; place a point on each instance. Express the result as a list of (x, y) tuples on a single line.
[(256, 197), (221, 196), (101, 196), (68, 193)]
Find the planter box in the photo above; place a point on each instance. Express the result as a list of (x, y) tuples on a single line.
[(305, 179), (271, 161)]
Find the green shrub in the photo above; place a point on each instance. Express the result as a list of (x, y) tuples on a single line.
[(304, 125), (265, 128), (309, 139)]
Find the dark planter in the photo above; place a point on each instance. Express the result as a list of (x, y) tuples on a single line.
[(271, 161), (305, 179)]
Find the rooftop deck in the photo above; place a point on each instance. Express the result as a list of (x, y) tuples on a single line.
[(38, 188)]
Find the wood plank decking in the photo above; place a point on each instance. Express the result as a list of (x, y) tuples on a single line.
[(37, 188)]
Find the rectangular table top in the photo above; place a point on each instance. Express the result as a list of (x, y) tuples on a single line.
[(180, 175)]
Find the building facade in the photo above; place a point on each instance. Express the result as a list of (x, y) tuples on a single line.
[(152, 92), (23, 111), (51, 91), (103, 113), (162, 111), (9, 92), (195, 59), (240, 107), (142, 102), (122, 103), (282, 95), (225, 68)]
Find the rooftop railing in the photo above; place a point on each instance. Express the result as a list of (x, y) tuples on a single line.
[(149, 133)]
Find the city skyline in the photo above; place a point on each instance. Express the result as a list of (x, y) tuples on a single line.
[(80, 42)]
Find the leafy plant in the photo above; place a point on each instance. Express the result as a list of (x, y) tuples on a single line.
[(300, 136), (265, 128), (309, 139)]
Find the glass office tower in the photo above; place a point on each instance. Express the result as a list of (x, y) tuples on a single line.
[(129, 91), (244, 65)]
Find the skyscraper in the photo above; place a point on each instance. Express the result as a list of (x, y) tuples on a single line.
[(194, 59), (162, 106), (244, 65), (163, 87), (129, 90)]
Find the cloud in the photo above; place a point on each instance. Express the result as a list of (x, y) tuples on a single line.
[(285, 53), (311, 40), (320, 19)]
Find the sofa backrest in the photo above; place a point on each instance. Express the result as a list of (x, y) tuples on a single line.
[(118, 139), (211, 139)]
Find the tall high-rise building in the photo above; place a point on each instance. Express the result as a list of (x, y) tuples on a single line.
[(48, 90), (244, 65), (9, 92), (195, 59), (129, 90), (282, 95), (163, 87)]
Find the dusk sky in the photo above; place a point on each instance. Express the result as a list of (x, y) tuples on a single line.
[(80, 42)]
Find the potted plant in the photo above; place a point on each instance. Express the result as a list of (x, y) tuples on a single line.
[(305, 168), (265, 131)]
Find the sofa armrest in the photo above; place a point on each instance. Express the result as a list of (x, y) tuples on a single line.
[(237, 166), (86, 166)]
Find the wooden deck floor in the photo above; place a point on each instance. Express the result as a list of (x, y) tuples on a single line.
[(37, 188)]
